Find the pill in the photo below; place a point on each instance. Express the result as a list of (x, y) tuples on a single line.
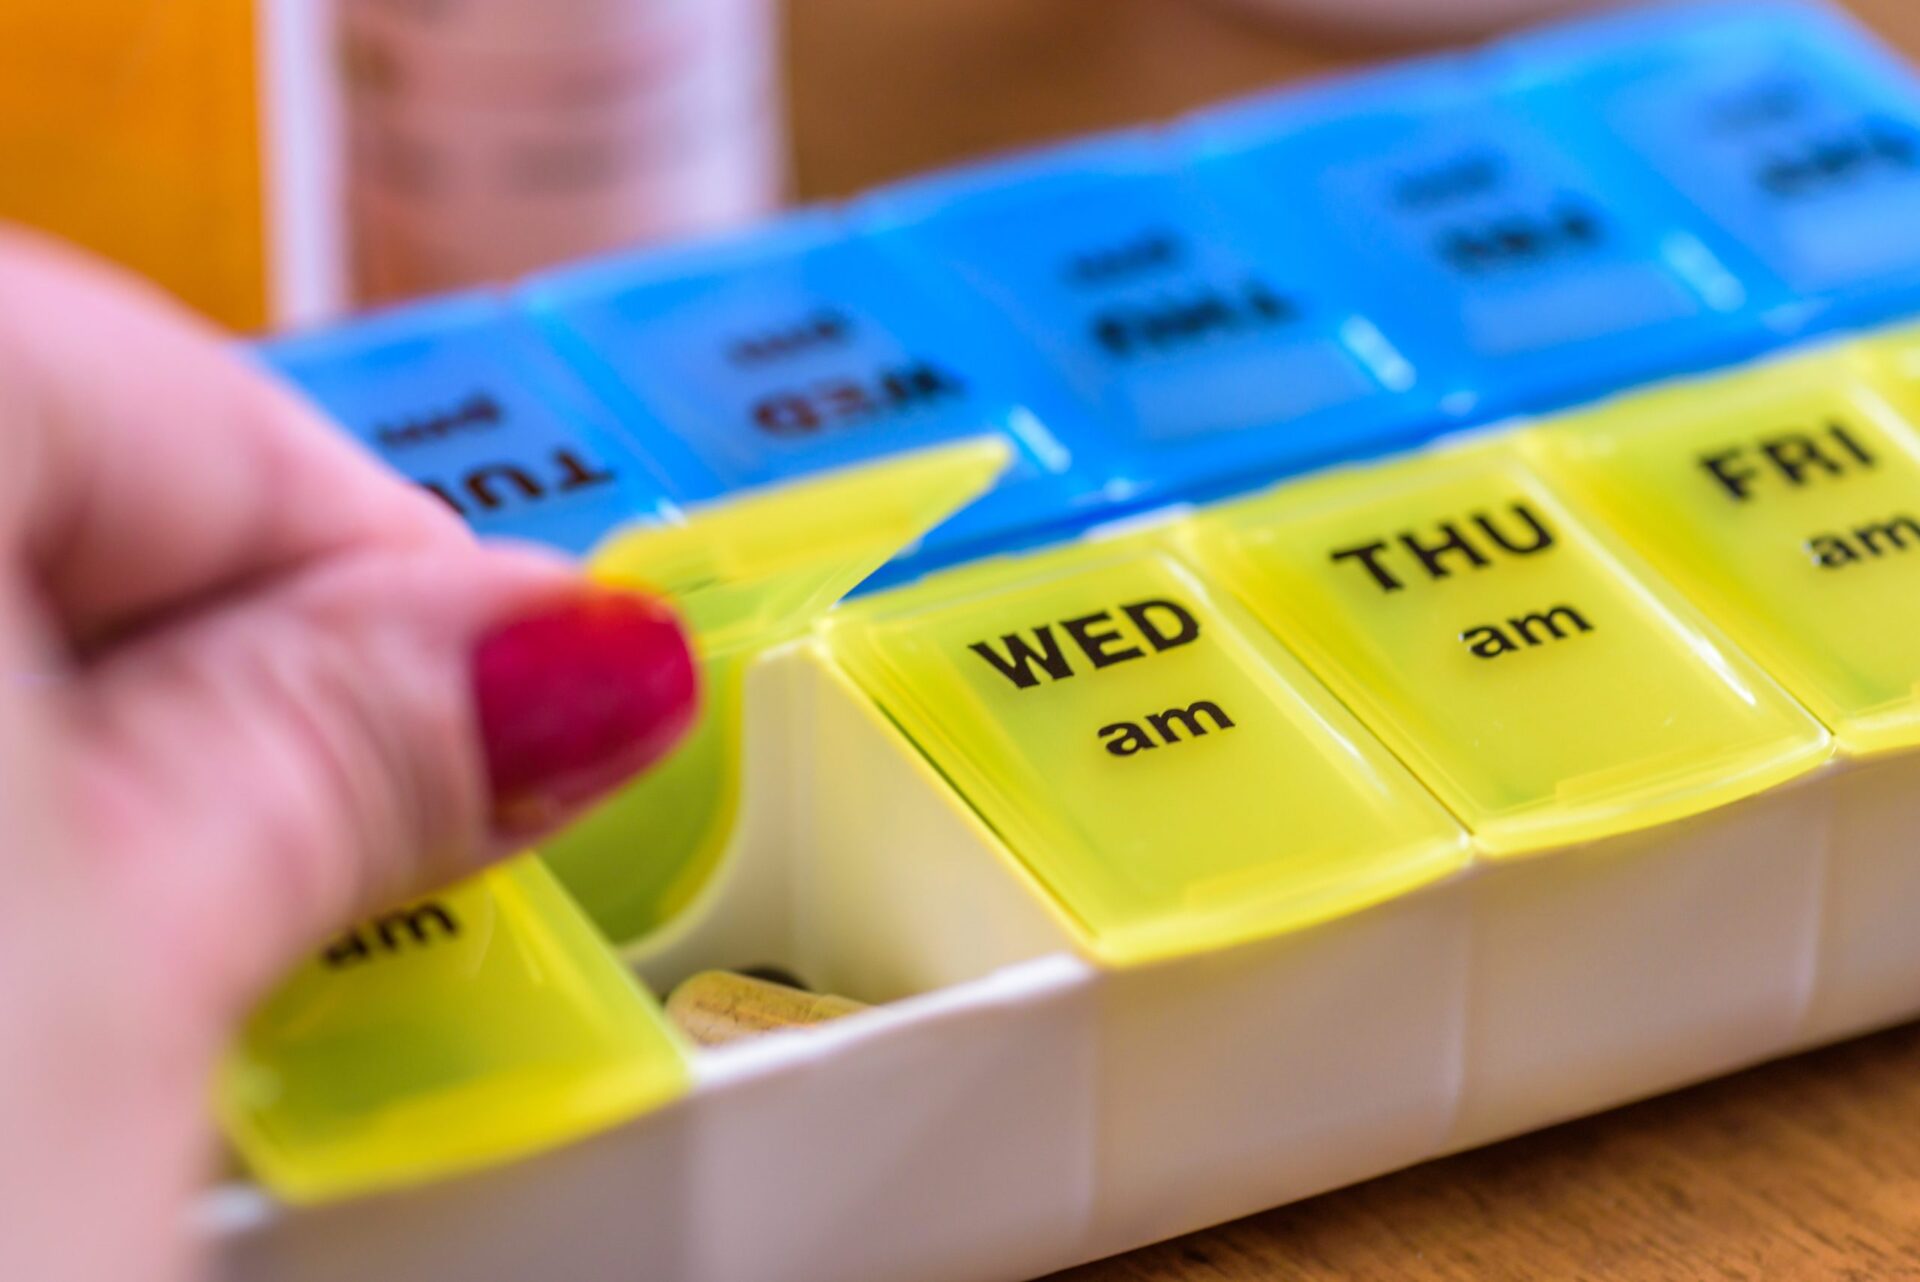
[(715, 1007)]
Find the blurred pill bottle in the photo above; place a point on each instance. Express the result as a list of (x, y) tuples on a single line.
[(186, 139), (486, 138)]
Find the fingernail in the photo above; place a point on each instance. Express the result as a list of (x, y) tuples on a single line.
[(576, 698)]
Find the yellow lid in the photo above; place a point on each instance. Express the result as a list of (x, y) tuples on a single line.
[(1504, 650), (746, 574), (457, 1031), (1785, 501), (1173, 776)]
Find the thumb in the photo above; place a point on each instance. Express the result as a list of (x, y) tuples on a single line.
[(364, 729)]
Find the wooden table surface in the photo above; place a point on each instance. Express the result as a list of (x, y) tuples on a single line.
[(1808, 1168)]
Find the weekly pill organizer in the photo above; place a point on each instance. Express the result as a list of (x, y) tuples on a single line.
[(1267, 648)]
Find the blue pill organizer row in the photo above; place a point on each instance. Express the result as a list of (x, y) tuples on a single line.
[(1173, 314)]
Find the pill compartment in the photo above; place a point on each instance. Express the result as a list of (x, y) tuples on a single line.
[(1513, 272), (1194, 352), (461, 396), (1627, 771), (1278, 907), (959, 1099), (837, 854), (987, 1013), (748, 362), (1783, 123), (1783, 501)]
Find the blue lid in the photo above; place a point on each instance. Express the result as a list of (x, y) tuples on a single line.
[(747, 362), (1788, 128), (1199, 352), (459, 395), (1514, 273)]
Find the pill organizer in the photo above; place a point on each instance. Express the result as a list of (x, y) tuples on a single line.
[(1263, 650)]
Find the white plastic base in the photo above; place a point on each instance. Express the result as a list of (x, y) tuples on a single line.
[(1012, 1108)]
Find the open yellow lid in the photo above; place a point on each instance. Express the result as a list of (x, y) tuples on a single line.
[(491, 1020), (746, 574)]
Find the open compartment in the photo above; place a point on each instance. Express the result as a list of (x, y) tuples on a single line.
[(959, 1099), (944, 1136)]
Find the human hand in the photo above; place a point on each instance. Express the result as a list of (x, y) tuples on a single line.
[(251, 687)]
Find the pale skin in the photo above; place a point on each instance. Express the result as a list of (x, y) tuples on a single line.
[(234, 715)]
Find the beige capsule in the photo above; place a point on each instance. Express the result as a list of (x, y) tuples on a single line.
[(715, 1007)]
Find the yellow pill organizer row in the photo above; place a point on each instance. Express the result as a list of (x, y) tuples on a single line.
[(1205, 864)]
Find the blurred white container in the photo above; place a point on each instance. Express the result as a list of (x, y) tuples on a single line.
[(486, 138)]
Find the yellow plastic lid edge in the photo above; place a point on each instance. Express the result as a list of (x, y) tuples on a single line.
[(748, 573), (807, 542)]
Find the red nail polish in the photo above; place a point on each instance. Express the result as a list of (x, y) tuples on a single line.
[(576, 698)]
